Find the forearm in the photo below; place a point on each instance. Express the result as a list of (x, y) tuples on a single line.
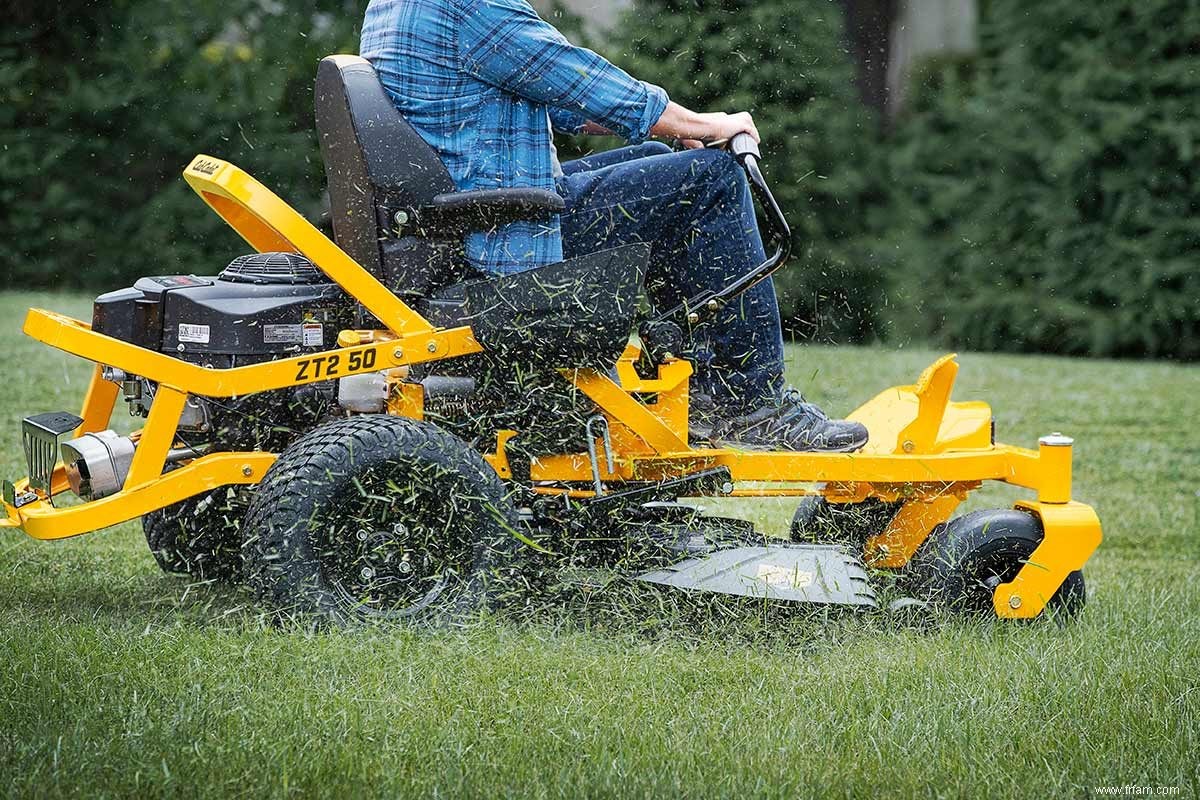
[(678, 122)]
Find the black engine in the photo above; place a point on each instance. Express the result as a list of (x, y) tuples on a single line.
[(261, 307)]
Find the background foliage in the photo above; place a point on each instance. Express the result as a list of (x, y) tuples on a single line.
[(105, 103), (1046, 192), (1038, 196)]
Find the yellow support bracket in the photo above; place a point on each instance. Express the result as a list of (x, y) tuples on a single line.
[(624, 409), (270, 225), (1072, 533), (98, 403), (150, 457), (43, 521), (895, 546), (77, 338)]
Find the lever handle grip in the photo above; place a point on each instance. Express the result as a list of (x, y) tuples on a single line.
[(744, 145)]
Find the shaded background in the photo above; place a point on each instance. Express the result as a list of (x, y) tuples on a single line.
[(967, 173)]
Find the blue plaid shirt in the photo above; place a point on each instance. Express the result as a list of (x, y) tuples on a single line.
[(482, 81)]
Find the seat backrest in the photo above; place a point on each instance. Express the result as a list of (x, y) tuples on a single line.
[(374, 162)]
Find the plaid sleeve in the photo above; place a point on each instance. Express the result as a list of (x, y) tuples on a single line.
[(505, 43), (565, 121)]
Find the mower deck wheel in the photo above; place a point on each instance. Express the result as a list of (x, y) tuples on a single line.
[(962, 562), (379, 517)]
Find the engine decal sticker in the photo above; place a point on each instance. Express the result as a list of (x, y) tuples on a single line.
[(314, 334), (282, 334), (193, 333)]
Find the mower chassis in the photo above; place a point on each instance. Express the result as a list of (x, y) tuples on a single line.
[(925, 450)]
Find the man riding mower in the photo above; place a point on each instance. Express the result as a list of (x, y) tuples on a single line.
[(389, 425)]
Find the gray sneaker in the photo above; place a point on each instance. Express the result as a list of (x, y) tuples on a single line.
[(793, 424)]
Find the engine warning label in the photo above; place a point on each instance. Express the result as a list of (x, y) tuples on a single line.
[(314, 334), (282, 334), (193, 333)]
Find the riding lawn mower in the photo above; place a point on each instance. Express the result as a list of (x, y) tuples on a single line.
[(363, 427)]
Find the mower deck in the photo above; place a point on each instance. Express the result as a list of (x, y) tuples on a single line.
[(787, 573)]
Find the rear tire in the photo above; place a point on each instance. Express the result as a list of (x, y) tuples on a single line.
[(962, 562), (378, 517), (199, 537)]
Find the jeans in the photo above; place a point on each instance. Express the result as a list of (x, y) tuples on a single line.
[(694, 209)]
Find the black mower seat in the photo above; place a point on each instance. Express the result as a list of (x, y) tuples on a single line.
[(396, 211), (374, 162)]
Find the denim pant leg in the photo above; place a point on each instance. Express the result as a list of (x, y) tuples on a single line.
[(694, 209), (619, 155)]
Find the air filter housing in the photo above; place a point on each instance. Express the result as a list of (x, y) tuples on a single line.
[(273, 268)]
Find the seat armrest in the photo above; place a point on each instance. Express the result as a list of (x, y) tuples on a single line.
[(460, 212)]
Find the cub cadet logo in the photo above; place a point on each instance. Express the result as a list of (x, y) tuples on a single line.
[(205, 167)]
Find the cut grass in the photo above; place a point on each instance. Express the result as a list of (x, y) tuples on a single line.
[(118, 680)]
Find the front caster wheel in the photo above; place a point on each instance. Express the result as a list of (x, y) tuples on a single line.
[(963, 561), (379, 517)]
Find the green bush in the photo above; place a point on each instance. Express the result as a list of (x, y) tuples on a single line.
[(1047, 191), (1039, 196), (104, 104), (786, 62)]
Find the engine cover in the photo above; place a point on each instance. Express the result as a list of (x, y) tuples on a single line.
[(254, 315)]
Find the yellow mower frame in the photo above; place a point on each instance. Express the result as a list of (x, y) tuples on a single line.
[(925, 449)]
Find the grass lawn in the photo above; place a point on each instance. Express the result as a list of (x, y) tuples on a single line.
[(118, 680)]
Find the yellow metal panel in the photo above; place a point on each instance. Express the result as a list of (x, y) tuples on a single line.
[(965, 426), (407, 400), (886, 415), (79, 339), (908, 529), (1072, 534), (41, 521), (269, 224), (98, 404), (149, 459)]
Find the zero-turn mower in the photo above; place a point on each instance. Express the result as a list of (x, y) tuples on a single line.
[(367, 429)]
